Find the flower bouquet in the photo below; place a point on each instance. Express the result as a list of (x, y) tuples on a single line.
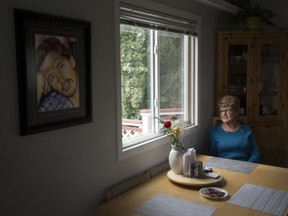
[(175, 130)]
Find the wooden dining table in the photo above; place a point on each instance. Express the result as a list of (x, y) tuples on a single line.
[(263, 175)]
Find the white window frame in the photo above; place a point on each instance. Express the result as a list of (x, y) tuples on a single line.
[(159, 140)]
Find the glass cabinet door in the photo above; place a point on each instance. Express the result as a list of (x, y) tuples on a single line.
[(239, 59), (237, 73), (268, 81)]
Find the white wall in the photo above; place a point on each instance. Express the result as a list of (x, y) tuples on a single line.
[(65, 172)]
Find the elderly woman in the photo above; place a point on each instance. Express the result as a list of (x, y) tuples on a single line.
[(232, 139)]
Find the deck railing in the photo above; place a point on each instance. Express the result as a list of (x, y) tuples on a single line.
[(132, 128)]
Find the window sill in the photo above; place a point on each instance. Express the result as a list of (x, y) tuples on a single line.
[(148, 145)]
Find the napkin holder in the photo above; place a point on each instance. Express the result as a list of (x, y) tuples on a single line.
[(188, 158)]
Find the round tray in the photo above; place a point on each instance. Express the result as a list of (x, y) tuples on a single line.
[(192, 181)]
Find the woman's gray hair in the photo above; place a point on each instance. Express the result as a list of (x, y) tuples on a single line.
[(229, 100)]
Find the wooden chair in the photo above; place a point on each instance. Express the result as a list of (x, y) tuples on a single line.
[(155, 170), (125, 185)]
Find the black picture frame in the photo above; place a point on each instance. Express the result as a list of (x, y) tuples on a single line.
[(52, 95)]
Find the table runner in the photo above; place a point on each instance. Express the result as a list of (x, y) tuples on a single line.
[(228, 164), (162, 205), (261, 198)]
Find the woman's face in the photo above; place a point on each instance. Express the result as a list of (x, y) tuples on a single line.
[(60, 73), (228, 114)]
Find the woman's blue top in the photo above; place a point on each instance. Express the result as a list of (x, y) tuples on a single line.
[(237, 145)]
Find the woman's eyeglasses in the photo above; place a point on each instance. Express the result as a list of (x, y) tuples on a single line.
[(228, 111)]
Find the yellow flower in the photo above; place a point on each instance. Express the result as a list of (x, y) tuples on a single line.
[(176, 131)]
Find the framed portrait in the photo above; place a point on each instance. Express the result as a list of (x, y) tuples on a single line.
[(54, 71)]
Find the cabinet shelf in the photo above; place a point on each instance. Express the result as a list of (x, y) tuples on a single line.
[(237, 73), (268, 94), (237, 63)]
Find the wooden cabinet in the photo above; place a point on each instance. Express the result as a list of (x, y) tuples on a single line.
[(253, 67), (270, 140)]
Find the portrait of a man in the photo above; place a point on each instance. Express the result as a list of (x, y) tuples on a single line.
[(57, 75)]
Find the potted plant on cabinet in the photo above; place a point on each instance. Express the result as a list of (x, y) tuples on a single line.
[(253, 16)]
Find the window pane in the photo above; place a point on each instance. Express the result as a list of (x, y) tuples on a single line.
[(171, 69), (154, 70), (135, 79)]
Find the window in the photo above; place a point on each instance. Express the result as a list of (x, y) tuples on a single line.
[(158, 72)]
